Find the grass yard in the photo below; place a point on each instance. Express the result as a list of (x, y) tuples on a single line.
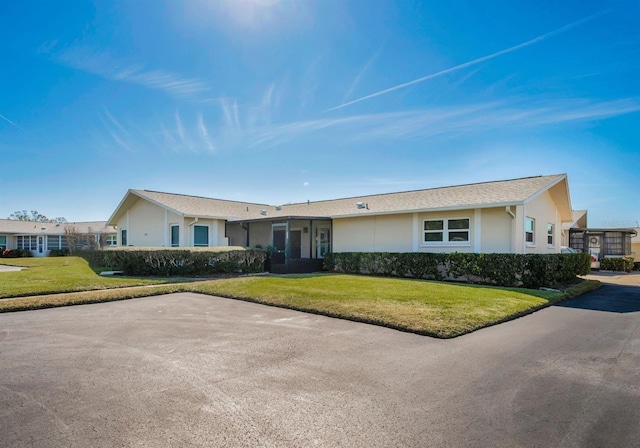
[(60, 274), (437, 309), (430, 308)]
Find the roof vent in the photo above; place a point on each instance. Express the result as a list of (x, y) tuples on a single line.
[(278, 207), (360, 205), (263, 212)]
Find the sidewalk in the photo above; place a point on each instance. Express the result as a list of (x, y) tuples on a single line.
[(616, 278)]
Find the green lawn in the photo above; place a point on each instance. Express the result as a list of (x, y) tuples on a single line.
[(431, 308), (60, 274), (424, 307)]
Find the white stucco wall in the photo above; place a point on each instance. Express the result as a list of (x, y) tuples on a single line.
[(236, 234), (260, 234), (149, 225), (543, 209), (384, 233), (496, 231), (144, 223)]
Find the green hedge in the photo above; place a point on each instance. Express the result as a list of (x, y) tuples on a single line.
[(15, 253), (617, 264), (172, 262), (530, 270), (59, 252)]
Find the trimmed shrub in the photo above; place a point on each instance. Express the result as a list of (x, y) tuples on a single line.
[(636, 266), (59, 252), (529, 270), (171, 262), (624, 264), (16, 253)]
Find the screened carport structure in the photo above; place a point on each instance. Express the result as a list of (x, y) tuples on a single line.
[(602, 243)]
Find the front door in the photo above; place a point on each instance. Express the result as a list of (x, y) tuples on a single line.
[(595, 250), (323, 242), (279, 244), (40, 250), (296, 244)]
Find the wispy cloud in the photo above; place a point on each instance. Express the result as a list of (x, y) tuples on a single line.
[(205, 134), (117, 132), (309, 83), (11, 122), (101, 64), (447, 122), (179, 126), (362, 72), (473, 62), (232, 131)]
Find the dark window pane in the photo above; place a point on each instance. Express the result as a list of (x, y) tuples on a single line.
[(458, 236), (200, 236), (175, 236), (529, 237), (434, 225), (433, 236), (457, 224), (279, 239), (123, 237)]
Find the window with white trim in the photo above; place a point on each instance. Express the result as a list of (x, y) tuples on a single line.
[(56, 242), (175, 235), (200, 235), (123, 237), (550, 234), (447, 231), (3, 242), (28, 242), (111, 240), (529, 230)]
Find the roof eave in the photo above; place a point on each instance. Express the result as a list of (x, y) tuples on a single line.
[(431, 209)]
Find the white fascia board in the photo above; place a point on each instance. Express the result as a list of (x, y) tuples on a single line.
[(429, 210), (159, 204), (116, 212), (548, 187)]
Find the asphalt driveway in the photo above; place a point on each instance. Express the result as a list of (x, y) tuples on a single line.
[(190, 370)]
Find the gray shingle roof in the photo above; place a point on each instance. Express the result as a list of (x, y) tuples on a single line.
[(11, 226), (478, 195)]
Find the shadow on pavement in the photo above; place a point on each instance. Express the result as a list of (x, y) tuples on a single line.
[(610, 297)]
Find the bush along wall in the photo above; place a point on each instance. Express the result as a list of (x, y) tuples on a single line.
[(617, 264), (15, 253), (176, 262), (527, 270)]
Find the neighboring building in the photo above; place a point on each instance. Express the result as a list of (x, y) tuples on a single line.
[(578, 220), (635, 245), (42, 237), (523, 215), (601, 243)]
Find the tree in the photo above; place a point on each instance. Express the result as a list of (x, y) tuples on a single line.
[(79, 241), (34, 215)]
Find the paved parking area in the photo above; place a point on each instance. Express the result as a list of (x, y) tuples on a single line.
[(190, 370)]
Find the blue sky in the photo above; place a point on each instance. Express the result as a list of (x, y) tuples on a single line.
[(286, 101)]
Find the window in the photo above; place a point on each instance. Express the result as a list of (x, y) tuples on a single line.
[(123, 237), (3, 242), (56, 242), (111, 240), (529, 230), (550, 234), (28, 242), (449, 231), (175, 236), (200, 235)]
